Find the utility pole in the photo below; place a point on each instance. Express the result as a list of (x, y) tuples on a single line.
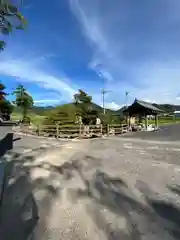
[(103, 93), (126, 98), (127, 116)]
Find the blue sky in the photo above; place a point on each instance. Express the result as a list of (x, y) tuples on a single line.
[(119, 45)]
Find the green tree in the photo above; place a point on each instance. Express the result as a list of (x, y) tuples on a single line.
[(82, 98), (10, 18), (3, 94), (6, 107), (23, 100), (84, 106)]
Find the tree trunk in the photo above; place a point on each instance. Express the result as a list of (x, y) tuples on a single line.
[(24, 112)]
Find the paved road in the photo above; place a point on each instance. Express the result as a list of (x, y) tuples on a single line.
[(4, 130), (104, 189), (22, 144), (26, 181), (141, 185), (165, 133)]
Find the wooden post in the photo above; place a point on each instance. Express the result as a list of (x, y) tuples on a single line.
[(80, 130), (156, 121), (101, 130), (57, 130), (121, 128), (38, 129), (127, 120), (128, 123), (146, 122), (108, 130)]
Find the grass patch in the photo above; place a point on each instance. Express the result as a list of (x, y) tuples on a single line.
[(163, 121), (35, 118)]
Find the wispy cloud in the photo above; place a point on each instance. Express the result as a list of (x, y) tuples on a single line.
[(120, 46), (28, 70), (106, 53), (33, 70), (133, 47)]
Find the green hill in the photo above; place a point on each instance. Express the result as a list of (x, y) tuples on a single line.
[(45, 110), (37, 114)]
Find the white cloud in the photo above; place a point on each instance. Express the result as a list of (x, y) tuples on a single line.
[(97, 26), (46, 101), (149, 100), (117, 41), (26, 70), (113, 106), (161, 82)]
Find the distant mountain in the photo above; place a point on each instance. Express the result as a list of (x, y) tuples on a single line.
[(45, 110), (41, 110), (120, 111), (37, 110), (169, 108)]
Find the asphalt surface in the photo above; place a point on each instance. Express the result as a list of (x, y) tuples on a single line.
[(165, 133), (113, 188), (21, 144)]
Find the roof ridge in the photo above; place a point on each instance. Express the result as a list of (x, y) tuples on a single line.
[(148, 105)]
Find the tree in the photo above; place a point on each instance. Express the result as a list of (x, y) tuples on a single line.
[(10, 18), (82, 98), (85, 108), (2, 93), (6, 107), (23, 100)]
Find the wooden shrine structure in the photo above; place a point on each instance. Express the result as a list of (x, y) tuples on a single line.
[(140, 109)]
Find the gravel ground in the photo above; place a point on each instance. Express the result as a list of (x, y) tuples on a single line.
[(113, 188)]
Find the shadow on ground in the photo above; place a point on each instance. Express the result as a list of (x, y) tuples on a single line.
[(161, 218), (19, 210)]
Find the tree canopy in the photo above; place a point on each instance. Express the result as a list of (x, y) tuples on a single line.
[(23, 100), (85, 108), (6, 107), (3, 94), (10, 19)]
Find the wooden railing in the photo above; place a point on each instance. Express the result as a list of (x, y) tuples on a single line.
[(118, 129), (76, 131)]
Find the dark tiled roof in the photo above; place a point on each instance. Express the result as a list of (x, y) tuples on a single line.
[(148, 105), (145, 105)]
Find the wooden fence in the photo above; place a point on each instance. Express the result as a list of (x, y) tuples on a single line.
[(76, 131)]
